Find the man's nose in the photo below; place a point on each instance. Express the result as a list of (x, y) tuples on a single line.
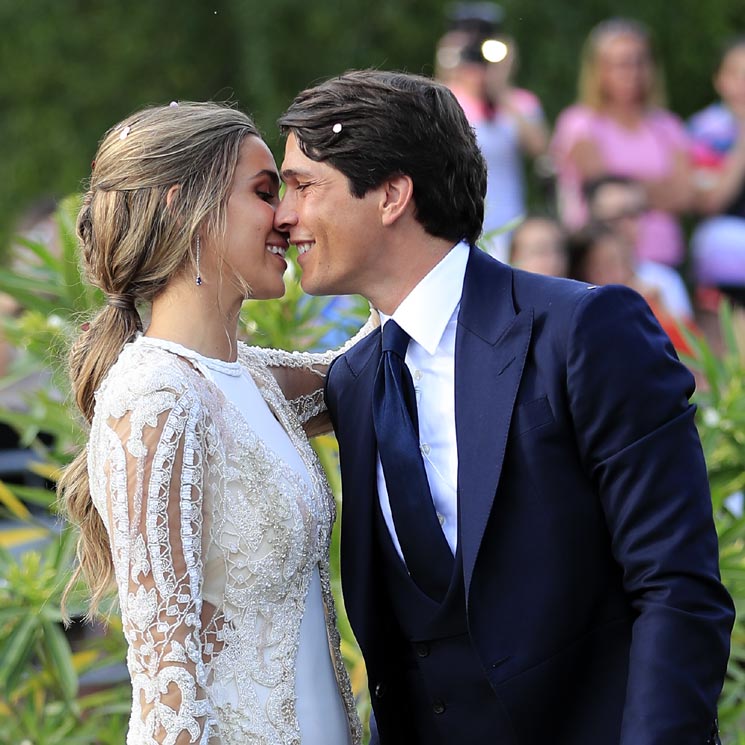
[(285, 216)]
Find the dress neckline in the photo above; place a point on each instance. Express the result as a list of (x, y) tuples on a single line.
[(233, 369)]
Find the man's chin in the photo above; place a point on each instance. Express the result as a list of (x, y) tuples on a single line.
[(309, 288), (313, 286)]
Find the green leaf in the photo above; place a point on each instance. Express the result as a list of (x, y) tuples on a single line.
[(35, 495), (48, 260), (60, 659), (14, 505), (61, 555), (728, 328), (28, 292), (16, 650)]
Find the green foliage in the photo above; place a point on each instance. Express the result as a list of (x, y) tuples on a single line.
[(55, 299), (328, 453), (297, 320), (72, 69), (38, 673), (721, 423), (40, 698)]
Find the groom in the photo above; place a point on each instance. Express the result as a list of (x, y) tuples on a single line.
[(528, 553)]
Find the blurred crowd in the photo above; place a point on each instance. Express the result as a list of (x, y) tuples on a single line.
[(628, 192), (637, 196)]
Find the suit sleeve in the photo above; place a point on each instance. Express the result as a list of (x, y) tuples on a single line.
[(629, 398), (329, 390)]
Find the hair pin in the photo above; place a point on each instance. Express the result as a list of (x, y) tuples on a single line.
[(336, 128), (123, 134)]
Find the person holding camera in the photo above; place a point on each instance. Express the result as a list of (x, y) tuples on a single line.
[(477, 61)]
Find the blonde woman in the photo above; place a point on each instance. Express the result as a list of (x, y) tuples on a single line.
[(198, 494), (619, 127)]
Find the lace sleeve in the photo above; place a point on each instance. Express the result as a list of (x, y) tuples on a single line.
[(314, 360), (301, 374), (154, 476)]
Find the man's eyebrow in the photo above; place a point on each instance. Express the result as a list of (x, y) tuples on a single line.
[(293, 173)]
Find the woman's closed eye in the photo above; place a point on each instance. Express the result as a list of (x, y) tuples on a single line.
[(267, 196)]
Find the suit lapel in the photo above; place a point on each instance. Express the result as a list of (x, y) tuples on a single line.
[(490, 350)]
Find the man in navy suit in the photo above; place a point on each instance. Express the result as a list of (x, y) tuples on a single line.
[(554, 578)]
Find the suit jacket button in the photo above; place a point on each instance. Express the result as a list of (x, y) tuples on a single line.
[(422, 649), (438, 706), (379, 690)]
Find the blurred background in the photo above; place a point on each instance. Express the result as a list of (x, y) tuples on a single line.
[(72, 68)]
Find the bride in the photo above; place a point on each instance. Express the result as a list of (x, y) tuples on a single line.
[(198, 494)]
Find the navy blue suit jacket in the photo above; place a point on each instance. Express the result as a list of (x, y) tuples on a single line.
[(590, 558)]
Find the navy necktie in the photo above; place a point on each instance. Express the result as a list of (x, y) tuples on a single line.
[(425, 549)]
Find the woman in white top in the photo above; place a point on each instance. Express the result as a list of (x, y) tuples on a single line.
[(199, 495)]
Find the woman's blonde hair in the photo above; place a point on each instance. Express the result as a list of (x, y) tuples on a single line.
[(132, 242), (589, 91)]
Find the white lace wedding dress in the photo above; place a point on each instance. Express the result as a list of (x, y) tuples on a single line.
[(219, 518)]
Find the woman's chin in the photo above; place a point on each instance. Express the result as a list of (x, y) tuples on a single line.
[(268, 294)]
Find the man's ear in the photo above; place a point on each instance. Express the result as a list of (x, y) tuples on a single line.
[(171, 194), (398, 195)]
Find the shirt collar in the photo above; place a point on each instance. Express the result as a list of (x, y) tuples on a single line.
[(425, 312)]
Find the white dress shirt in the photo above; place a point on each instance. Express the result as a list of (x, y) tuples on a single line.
[(429, 315)]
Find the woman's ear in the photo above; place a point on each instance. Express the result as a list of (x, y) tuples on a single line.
[(397, 196), (171, 194)]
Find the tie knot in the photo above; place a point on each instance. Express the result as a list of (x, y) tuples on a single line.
[(395, 339)]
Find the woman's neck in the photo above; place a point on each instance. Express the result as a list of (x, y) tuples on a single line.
[(626, 114), (193, 317)]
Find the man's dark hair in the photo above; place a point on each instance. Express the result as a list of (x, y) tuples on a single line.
[(397, 124)]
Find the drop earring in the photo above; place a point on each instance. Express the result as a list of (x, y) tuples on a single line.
[(199, 273)]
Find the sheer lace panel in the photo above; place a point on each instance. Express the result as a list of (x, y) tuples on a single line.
[(156, 474), (301, 374)]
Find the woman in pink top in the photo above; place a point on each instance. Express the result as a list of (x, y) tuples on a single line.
[(618, 127)]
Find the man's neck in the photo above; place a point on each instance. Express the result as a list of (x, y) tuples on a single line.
[(405, 267)]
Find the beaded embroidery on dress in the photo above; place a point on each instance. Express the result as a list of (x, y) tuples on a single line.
[(204, 665)]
